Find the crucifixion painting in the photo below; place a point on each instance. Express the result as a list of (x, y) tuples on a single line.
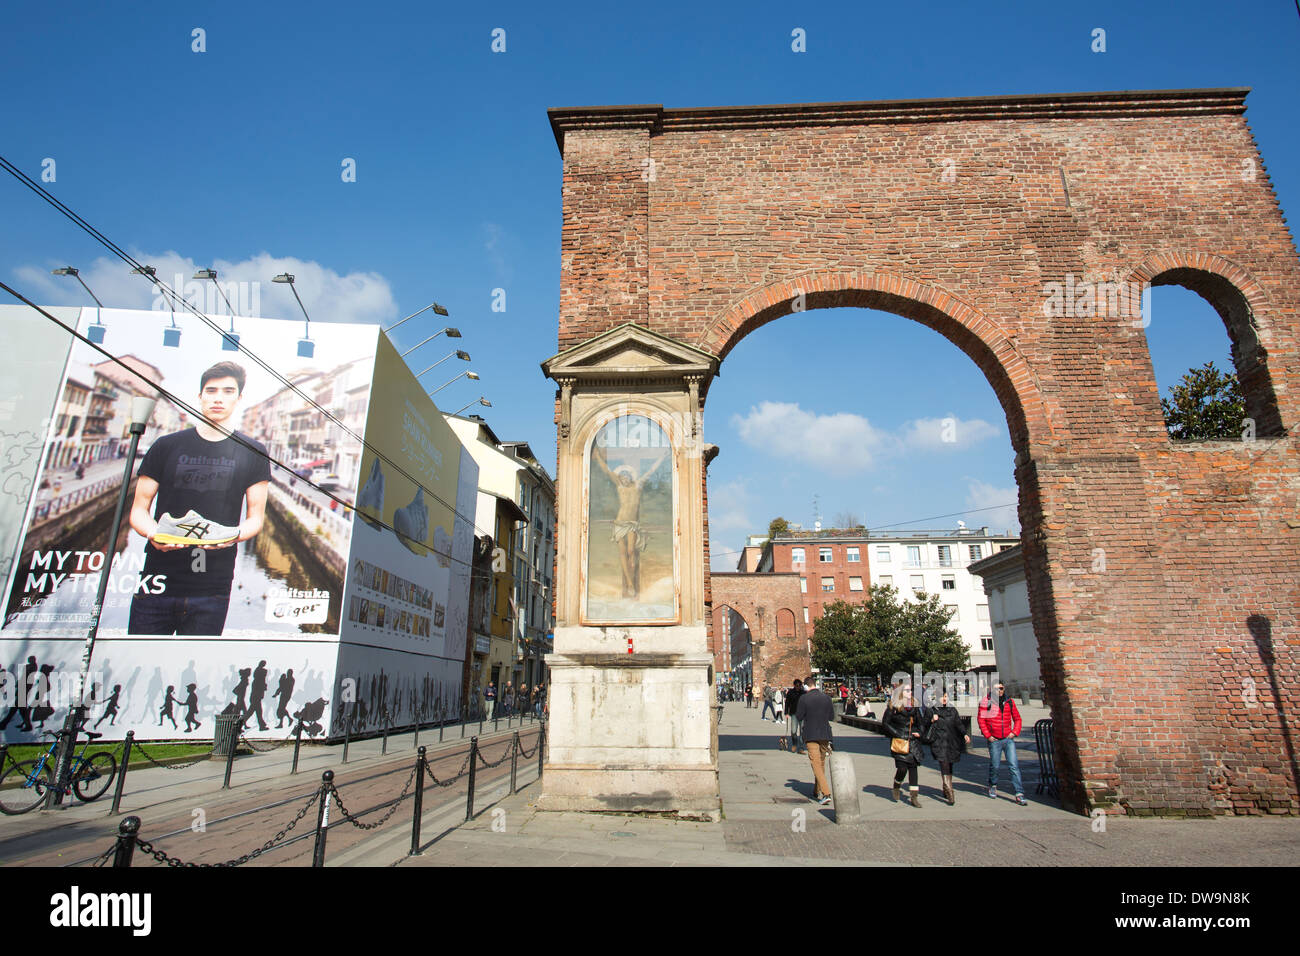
[(630, 547)]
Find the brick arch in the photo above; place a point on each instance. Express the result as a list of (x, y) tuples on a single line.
[(762, 600), (1243, 306), (958, 321)]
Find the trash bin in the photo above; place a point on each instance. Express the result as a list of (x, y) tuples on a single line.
[(226, 734)]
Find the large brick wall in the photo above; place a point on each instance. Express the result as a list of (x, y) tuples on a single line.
[(1164, 578), (772, 607)]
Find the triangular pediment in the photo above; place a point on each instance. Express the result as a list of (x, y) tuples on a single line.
[(630, 350)]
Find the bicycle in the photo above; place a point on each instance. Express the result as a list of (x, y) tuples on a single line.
[(24, 785)]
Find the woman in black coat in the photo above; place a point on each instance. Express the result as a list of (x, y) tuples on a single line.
[(903, 720), (948, 740)]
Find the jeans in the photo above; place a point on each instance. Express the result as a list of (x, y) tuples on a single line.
[(767, 705), (997, 748), (491, 708), (202, 616)]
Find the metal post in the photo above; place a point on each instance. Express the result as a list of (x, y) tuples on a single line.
[(297, 745), (514, 761), (127, 832), (230, 759), (383, 750), (4, 755), (347, 737), (419, 803), (322, 818), (121, 773), (442, 722), (480, 718), (473, 765), (418, 715), (541, 740)]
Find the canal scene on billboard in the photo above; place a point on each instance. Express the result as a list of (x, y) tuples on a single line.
[(237, 520)]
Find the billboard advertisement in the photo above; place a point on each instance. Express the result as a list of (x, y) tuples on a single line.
[(406, 605), (288, 550)]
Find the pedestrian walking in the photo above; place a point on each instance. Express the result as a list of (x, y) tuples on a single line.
[(948, 741), (749, 696), (999, 721), (793, 726), (778, 704), (767, 701), (903, 723), (490, 699), (816, 714)]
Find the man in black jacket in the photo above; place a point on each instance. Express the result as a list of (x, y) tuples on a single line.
[(791, 709), (816, 715)]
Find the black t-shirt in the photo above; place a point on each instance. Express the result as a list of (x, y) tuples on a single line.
[(209, 477)]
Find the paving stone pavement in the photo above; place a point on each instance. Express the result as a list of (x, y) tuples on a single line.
[(769, 819)]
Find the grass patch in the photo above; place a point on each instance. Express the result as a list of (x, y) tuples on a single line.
[(159, 750)]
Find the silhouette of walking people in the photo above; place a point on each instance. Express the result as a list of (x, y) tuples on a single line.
[(256, 696), (240, 690), (44, 706), (110, 707), (166, 712), (191, 707), (284, 690), (22, 697)]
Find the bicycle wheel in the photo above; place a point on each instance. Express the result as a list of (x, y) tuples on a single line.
[(22, 789), (94, 776)]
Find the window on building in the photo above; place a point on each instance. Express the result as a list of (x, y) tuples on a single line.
[(851, 555), (945, 555), (886, 579), (825, 555), (918, 582), (949, 582), (828, 584), (914, 555), (805, 615), (1005, 547), (954, 614), (976, 552), (803, 585), (986, 643), (855, 584), (882, 554), (796, 555), (981, 612)]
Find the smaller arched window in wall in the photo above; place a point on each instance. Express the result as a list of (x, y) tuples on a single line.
[(631, 574)]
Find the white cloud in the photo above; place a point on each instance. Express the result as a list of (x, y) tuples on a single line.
[(327, 295), (494, 245), (946, 434), (730, 503), (840, 443), (844, 443), (979, 494)]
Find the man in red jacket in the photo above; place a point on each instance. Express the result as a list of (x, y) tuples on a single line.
[(1000, 722)]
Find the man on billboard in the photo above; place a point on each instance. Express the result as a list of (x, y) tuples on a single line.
[(192, 487)]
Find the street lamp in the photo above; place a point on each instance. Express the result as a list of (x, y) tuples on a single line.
[(450, 332), (306, 347), (473, 376), (141, 411), (482, 401), (171, 336), (229, 340), (96, 331), (463, 356), (437, 310)]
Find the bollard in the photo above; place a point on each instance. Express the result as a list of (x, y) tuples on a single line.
[(541, 739), (473, 765), (480, 719), (297, 745), (496, 719), (127, 833), (418, 715), (514, 761), (121, 773), (442, 721), (347, 737), (322, 818), (419, 803), (383, 750), (230, 760), (844, 788)]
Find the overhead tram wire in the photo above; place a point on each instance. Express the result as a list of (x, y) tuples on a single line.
[(168, 290), (182, 404)]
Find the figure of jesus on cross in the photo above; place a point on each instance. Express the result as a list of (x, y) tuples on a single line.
[(627, 535)]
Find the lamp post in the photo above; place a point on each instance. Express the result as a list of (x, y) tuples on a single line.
[(437, 310), (229, 340), (141, 410), (463, 356), (306, 347), (96, 332), (450, 333), (472, 376), (481, 401)]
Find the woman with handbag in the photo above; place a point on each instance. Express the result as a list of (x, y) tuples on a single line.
[(904, 725), (948, 741)]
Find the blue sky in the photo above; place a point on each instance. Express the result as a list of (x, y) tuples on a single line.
[(231, 158)]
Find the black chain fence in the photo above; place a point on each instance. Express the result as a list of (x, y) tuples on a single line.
[(129, 838)]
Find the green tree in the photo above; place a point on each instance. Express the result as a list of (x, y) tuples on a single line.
[(887, 635), (777, 526), (1206, 404)]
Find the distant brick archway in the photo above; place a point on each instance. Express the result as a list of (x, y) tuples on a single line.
[(768, 603), (1163, 576)]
